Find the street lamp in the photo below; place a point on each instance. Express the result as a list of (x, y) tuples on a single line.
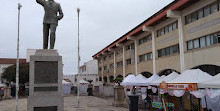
[(78, 11), (17, 62)]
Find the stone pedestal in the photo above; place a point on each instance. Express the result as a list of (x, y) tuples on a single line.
[(45, 85), (7, 93), (118, 96)]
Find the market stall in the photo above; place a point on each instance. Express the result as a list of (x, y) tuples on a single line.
[(66, 87), (186, 85)]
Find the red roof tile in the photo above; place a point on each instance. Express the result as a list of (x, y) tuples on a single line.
[(12, 61)]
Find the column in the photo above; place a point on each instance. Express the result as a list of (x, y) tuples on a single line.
[(153, 34), (181, 44), (102, 70), (114, 65), (177, 15), (123, 61), (136, 60), (154, 52)]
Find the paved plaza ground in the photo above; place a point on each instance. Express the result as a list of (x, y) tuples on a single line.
[(88, 103)]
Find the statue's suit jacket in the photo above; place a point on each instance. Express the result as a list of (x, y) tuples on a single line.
[(51, 10)]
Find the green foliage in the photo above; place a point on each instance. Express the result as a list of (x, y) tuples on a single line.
[(10, 73), (118, 81)]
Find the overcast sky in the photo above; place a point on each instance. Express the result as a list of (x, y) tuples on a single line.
[(101, 23)]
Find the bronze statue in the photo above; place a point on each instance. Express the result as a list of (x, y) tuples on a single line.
[(50, 22)]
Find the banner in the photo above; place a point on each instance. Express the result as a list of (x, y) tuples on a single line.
[(178, 86)]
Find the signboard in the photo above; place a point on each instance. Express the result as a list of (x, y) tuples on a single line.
[(178, 86)]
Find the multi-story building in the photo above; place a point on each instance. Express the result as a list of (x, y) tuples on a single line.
[(6, 62), (183, 35)]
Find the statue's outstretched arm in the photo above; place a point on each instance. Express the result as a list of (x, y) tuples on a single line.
[(60, 13), (41, 2)]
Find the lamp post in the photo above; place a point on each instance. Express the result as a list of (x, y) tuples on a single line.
[(78, 11), (17, 62)]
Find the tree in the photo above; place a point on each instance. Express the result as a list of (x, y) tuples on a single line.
[(10, 73)]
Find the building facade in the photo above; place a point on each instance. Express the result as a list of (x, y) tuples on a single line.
[(183, 35)]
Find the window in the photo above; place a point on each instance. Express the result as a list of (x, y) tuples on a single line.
[(128, 61), (168, 51), (170, 27), (100, 69), (111, 66), (145, 39), (200, 13), (105, 57), (110, 55), (119, 64), (176, 49), (145, 57), (190, 45), (188, 19), (119, 51), (203, 12), (208, 41), (215, 39), (214, 7), (171, 50), (105, 67), (194, 16), (174, 25), (207, 10), (202, 42), (167, 29), (130, 46), (196, 43), (163, 52)]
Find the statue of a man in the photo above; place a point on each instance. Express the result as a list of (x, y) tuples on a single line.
[(50, 22)]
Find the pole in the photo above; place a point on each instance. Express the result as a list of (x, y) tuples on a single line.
[(17, 62), (78, 10)]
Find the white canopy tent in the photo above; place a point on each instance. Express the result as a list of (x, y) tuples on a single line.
[(170, 77), (130, 80), (141, 80), (153, 78), (187, 80), (212, 83), (83, 82), (66, 87), (191, 76)]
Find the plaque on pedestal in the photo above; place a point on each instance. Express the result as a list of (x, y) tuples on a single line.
[(46, 70)]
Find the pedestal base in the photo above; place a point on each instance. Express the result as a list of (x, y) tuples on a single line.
[(7, 93), (45, 88)]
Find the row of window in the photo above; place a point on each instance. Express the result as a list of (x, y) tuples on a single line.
[(130, 46), (128, 61), (119, 51), (169, 28), (145, 39), (119, 64), (204, 41), (203, 12), (145, 57), (168, 51)]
